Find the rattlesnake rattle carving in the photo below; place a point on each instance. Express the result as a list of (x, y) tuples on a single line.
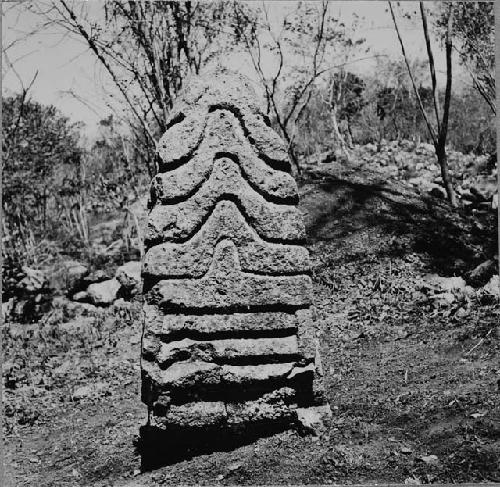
[(228, 338)]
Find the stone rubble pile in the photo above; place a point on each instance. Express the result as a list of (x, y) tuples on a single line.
[(474, 176), (101, 290)]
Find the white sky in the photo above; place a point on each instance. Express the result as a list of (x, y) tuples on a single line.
[(66, 64)]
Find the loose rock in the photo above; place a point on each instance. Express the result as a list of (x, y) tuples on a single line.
[(314, 420), (103, 293), (129, 276)]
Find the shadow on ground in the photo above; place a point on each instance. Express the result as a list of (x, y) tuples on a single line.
[(159, 448), (451, 241)]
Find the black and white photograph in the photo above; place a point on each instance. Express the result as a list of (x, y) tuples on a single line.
[(249, 242)]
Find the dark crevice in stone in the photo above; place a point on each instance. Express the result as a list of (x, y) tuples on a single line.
[(223, 392), (290, 200), (175, 200), (151, 280), (263, 308), (172, 165), (242, 360), (174, 121), (220, 389), (154, 278), (226, 334)]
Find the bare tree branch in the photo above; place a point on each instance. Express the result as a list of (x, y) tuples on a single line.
[(104, 62), (431, 63), (439, 140), (415, 89)]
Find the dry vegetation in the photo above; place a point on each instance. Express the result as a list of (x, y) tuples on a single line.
[(411, 368), (406, 284)]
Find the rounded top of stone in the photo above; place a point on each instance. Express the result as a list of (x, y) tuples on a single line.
[(217, 87)]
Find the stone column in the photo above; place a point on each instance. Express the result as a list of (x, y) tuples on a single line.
[(229, 344)]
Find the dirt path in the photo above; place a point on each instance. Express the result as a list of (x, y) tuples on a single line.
[(414, 386)]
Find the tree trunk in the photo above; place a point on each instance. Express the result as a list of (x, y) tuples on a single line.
[(443, 127), (438, 139), (295, 161), (338, 136), (291, 150), (381, 135), (350, 137), (445, 176)]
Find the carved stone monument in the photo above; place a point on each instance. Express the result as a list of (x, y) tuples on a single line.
[(229, 344)]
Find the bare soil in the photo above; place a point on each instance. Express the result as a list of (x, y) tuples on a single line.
[(414, 385)]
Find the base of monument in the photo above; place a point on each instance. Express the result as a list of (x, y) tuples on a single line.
[(160, 446)]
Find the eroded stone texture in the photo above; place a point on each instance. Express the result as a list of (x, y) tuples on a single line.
[(224, 135), (225, 350), (172, 326), (226, 287), (179, 222), (194, 257), (229, 338)]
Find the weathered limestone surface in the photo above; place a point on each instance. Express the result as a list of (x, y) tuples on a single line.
[(194, 257), (224, 136), (225, 286), (223, 350), (229, 338), (273, 406), (179, 222), (172, 326)]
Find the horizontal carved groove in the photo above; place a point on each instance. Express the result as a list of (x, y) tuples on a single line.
[(218, 388), (229, 396), (242, 360), (305, 272), (149, 280), (237, 325), (194, 334), (150, 242), (231, 351), (209, 310)]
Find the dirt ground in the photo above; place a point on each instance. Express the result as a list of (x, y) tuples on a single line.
[(414, 384)]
